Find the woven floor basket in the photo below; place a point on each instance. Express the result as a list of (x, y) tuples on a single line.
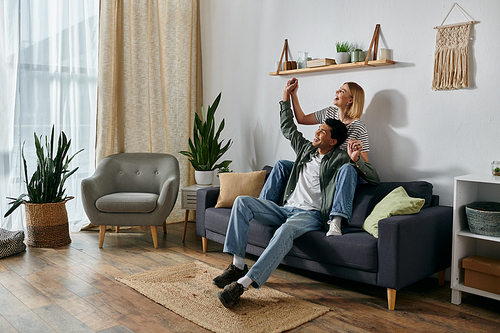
[(47, 224), (484, 217)]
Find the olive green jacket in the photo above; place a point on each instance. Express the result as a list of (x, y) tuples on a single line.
[(330, 164)]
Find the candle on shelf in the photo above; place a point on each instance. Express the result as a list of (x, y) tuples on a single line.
[(385, 54)]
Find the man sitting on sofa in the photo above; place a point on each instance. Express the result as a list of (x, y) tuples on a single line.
[(308, 199)]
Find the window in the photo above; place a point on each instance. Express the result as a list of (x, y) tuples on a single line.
[(49, 58)]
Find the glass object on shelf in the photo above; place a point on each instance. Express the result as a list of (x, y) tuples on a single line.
[(495, 168), (276, 64), (302, 61)]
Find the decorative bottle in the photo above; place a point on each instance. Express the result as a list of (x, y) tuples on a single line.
[(301, 60), (306, 54)]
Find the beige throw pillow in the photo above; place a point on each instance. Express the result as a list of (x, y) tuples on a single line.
[(233, 184)]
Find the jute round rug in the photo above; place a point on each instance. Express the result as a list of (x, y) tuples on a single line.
[(187, 290)]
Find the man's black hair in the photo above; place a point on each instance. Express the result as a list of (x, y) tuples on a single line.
[(338, 130)]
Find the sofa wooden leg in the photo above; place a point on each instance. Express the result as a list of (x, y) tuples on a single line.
[(391, 298), (441, 276), (154, 233), (102, 231), (204, 244), (117, 229)]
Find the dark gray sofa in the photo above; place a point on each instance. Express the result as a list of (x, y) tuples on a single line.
[(409, 247)]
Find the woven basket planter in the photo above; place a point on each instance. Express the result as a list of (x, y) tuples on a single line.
[(47, 224), (483, 217)]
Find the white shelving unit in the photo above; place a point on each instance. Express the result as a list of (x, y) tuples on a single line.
[(470, 188)]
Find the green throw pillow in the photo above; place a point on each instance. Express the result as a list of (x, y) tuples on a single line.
[(395, 203)]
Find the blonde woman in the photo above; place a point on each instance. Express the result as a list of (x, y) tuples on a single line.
[(347, 107)]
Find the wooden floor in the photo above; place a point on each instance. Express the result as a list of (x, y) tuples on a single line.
[(73, 289)]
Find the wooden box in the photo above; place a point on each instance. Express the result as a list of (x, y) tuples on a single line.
[(482, 273), (320, 62), (289, 65)]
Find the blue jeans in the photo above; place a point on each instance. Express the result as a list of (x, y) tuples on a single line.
[(347, 180), (276, 182), (292, 222)]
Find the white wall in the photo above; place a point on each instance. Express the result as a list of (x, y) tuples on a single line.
[(415, 133)]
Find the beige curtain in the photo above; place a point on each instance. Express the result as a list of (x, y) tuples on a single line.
[(149, 79)]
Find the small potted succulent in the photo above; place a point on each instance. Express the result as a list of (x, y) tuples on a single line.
[(343, 54), (357, 55)]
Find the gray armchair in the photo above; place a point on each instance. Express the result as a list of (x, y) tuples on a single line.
[(131, 189)]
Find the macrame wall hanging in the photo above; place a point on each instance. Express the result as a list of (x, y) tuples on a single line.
[(451, 57)]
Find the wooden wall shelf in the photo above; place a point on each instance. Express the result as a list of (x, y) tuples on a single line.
[(352, 65)]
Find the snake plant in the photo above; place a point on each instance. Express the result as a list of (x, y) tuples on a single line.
[(46, 185), (205, 149)]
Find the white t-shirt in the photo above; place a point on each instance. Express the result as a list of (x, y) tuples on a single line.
[(307, 193)]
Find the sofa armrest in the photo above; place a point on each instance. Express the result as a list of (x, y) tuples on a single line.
[(205, 198), (413, 247)]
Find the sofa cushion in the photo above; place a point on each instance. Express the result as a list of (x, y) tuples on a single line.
[(127, 202), (395, 203), (356, 249), (233, 184), (367, 196), (216, 220)]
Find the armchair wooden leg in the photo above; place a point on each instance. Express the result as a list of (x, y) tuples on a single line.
[(441, 276), (154, 233), (117, 229), (102, 231), (165, 227), (391, 298), (204, 244)]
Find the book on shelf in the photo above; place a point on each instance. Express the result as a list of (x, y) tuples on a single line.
[(320, 62)]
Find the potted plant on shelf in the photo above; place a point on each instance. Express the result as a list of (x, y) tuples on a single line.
[(357, 55), (343, 52), (46, 215), (205, 149)]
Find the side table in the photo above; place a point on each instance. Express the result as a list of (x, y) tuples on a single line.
[(188, 202)]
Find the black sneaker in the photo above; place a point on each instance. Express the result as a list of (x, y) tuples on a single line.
[(231, 294), (230, 274)]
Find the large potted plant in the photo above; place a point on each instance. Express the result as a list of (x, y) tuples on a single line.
[(205, 149), (46, 215)]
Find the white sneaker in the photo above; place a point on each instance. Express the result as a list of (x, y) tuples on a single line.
[(334, 229)]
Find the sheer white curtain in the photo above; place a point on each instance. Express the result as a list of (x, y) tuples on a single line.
[(48, 76)]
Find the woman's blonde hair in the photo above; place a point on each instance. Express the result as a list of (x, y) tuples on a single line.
[(358, 100)]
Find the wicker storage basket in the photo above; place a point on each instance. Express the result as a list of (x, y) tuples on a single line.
[(484, 217), (47, 224)]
